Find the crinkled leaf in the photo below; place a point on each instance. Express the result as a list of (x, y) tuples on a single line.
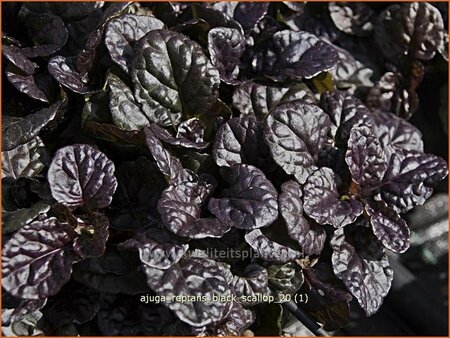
[(62, 70), (125, 113), (225, 47), (236, 322), (240, 140), (253, 281), (249, 203), (258, 100), (81, 175), (48, 32), (25, 160), (323, 203), (26, 326), (295, 133), (216, 17), (123, 31), (414, 28), (410, 178), (37, 260), (140, 185), (157, 248), (352, 17), (110, 132), (310, 236), (93, 236), (168, 164), (180, 207), (388, 226), (363, 268), (193, 276), (285, 278), (20, 130), (113, 272), (193, 128), (25, 84), (246, 13), (14, 54), (172, 77), (269, 250), (14, 309), (365, 156), (301, 55), (344, 110), (14, 220)]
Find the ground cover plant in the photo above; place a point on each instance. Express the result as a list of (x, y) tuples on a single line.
[(142, 140)]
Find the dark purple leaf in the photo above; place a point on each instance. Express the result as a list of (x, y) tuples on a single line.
[(295, 133), (249, 203), (125, 113), (25, 84), (157, 248), (172, 76), (310, 236), (192, 128), (168, 164), (410, 178), (195, 277), (388, 226), (365, 156), (286, 278), (14, 220), (180, 207), (259, 100), (344, 110), (240, 140), (301, 55), (323, 203), (81, 175), (14, 309), (352, 17), (37, 260), (217, 17), (48, 32), (15, 55), (20, 130), (269, 250), (63, 72), (123, 31), (93, 235), (26, 160), (86, 57), (226, 46), (248, 14), (366, 274), (413, 28)]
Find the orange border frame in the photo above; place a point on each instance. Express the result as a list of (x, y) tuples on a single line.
[(448, 157)]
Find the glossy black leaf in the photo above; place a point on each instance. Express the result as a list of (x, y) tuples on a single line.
[(413, 28), (157, 248), (17, 130), (352, 17), (388, 226), (237, 321), (122, 32), (189, 135), (295, 133), (285, 278), (81, 175), (300, 55), (310, 236), (259, 100), (25, 160), (323, 203), (410, 178), (25, 84), (226, 46), (363, 268), (249, 203), (180, 207), (65, 73), (247, 14), (240, 140), (172, 76), (16, 57), (195, 277), (14, 220), (14, 309), (365, 156), (125, 113), (37, 260), (269, 250)]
